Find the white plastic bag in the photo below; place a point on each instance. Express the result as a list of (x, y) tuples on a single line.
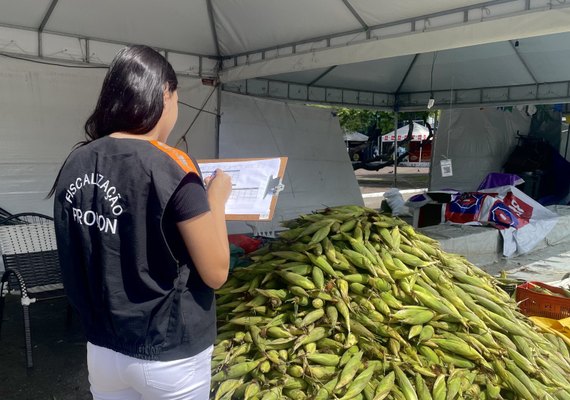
[(396, 202)]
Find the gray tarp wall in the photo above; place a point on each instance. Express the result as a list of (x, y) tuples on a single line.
[(318, 173), (43, 109), (478, 141), (42, 112)]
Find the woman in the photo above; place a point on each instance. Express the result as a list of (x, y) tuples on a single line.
[(142, 240)]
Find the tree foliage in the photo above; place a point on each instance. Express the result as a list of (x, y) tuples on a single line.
[(362, 120), (356, 120)]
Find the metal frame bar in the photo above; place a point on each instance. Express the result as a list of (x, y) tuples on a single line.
[(407, 73), (395, 153), (523, 62), (87, 40), (403, 100), (85, 64), (510, 99), (47, 15), (213, 26), (386, 25), (43, 24), (356, 15), (249, 89), (506, 103), (107, 41), (219, 67), (54, 60), (487, 87), (321, 76)]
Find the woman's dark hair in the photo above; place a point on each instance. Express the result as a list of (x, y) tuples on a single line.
[(131, 99)]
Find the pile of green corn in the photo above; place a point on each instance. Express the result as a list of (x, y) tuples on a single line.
[(353, 304)]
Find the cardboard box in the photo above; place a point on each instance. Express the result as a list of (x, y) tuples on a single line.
[(429, 208), (428, 215)]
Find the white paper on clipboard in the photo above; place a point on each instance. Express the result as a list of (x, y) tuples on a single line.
[(255, 185)]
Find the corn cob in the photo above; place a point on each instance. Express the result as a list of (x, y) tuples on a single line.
[(426, 324)]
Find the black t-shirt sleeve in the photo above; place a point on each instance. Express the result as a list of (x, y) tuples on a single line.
[(189, 200)]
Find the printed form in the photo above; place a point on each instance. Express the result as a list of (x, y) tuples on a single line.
[(255, 183)]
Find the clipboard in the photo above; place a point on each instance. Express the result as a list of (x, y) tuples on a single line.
[(256, 183)]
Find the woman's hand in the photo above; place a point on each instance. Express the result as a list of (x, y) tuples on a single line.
[(219, 187)]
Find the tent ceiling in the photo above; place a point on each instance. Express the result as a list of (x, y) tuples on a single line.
[(531, 72), (277, 22), (182, 25), (547, 57), (539, 60), (488, 65), (360, 52), (378, 75), (242, 25), (27, 13)]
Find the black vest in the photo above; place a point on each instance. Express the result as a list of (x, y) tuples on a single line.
[(132, 295)]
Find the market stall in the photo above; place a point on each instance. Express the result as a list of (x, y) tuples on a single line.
[(357, 143), (345, 302), (419, 146)]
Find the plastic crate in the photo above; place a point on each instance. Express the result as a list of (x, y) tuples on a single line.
[(533, 304), (510, 288)]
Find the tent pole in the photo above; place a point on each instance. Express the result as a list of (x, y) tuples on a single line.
[(218, 119), (433, 143), (378, 145), (567, 138), (395, 149)]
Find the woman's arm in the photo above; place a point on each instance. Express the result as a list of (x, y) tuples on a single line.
[(206, 236)]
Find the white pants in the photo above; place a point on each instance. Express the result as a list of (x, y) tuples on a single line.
[(115, 376)]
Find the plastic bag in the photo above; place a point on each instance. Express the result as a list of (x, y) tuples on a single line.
[(396, 202), (247, 243), (465, 208)]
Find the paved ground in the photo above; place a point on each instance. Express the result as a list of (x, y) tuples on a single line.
[(60, 370), (382, 180), (546, 265), (409, 180)]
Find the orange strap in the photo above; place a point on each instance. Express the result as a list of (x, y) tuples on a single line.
[(181, 158)]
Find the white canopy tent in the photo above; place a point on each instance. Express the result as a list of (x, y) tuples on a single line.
[(419, 133), (380, 54), (354, 137), (376, 53)]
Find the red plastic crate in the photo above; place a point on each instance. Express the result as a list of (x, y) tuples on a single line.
[(533, 304)]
